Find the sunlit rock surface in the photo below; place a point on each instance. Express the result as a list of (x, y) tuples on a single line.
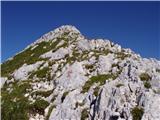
[(65, 76)]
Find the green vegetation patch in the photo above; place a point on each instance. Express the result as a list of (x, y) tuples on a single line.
[(17, 61), (42, 73), (122, 55), (84, 114), (137, 113), (28, 56), (69, 59), (147, 85), (39, 106), (49, 111), (42, 93), (76, 56), (96, 90), (145, 77), (146, 80), (14, 105), (97, 53), (97, 79)]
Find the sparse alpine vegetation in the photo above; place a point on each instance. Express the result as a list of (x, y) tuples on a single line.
[(64, 75), (101, 79), (146, 80)]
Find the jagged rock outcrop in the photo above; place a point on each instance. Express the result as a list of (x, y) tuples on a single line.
[(65, 76)]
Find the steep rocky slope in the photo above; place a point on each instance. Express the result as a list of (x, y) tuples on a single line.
[(64, 76)]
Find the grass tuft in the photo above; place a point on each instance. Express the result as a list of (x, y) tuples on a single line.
[(137, 113)]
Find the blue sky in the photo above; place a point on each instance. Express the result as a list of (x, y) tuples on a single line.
[(134, 25)]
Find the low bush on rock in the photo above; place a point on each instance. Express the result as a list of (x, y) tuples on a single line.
[(137, 113)]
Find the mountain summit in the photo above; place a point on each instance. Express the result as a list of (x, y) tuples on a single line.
[(65, 76)]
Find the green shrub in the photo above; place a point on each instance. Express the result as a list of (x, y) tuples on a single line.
[(38, 106), (96, 90), (84, 114), (147, 85), (14, 105), (144, 77), (15, 110), (41, 73), (137, 113)]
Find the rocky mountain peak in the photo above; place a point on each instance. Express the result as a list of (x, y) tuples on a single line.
[(64, 30), (67, 28), (65, 76)]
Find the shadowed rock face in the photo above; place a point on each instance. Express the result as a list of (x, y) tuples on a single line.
[(64, 76)]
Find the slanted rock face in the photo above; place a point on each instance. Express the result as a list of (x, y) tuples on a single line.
[(64, 76), (73, 77), (105, 63), (3, 80), (59, 54), (22, 72)]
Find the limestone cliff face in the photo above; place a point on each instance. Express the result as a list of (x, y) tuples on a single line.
[(64, 76)]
